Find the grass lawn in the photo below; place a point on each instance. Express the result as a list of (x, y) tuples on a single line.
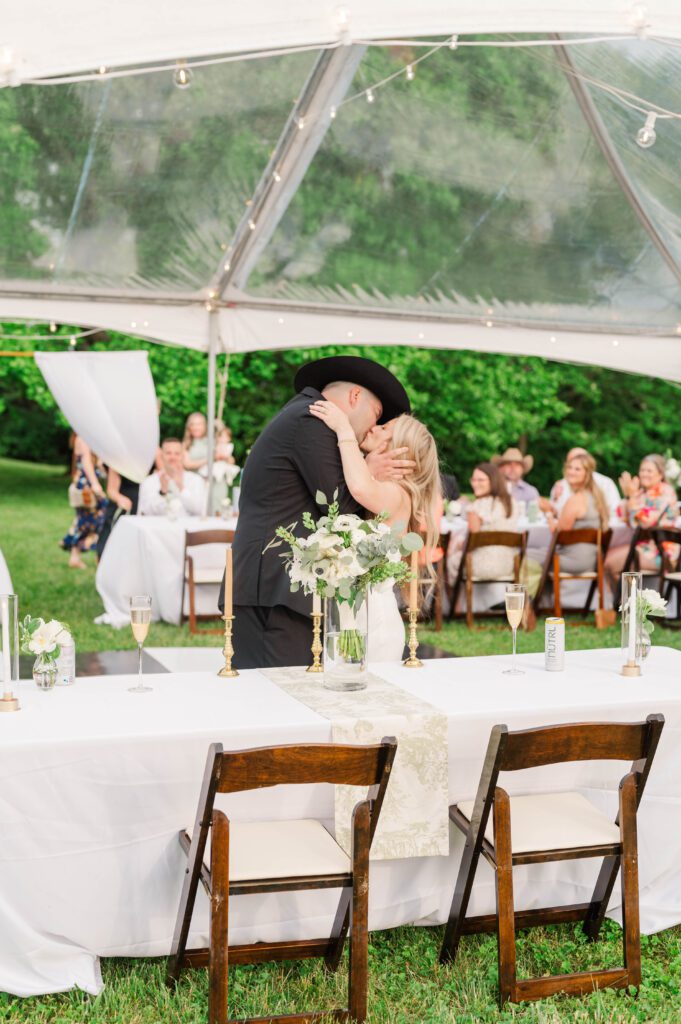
[(406, 984)]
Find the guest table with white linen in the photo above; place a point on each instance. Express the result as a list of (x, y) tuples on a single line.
[(573, 592), (144, 555), (96, 783)]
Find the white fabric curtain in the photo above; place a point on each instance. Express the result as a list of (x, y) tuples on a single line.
[(110, 401)]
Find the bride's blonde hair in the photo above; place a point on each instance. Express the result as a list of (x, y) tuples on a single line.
[(423, 485)]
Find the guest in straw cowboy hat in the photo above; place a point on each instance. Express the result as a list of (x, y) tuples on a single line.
[(514, 465)]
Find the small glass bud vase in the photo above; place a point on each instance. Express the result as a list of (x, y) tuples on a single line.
[(632, 623), (44, 672), (345, 644)]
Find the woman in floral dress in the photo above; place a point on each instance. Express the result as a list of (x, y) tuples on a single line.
[(87, 482), (649, 501)]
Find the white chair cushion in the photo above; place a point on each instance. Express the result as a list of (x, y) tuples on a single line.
[(281, 849), (673, 576), (207, 575), (552, 821)]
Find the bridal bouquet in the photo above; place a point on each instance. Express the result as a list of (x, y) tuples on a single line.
[(342, 557)]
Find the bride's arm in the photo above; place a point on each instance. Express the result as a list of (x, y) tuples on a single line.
[(374, 495)]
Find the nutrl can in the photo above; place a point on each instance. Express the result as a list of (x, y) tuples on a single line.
[(554, 645)]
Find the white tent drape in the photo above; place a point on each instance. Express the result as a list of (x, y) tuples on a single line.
[(77, 35), (110, 401)]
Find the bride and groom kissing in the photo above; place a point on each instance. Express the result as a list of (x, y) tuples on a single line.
[(349, 429)]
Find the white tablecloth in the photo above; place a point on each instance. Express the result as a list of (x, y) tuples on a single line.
[(144, 556), (95, 783), (5, 578)]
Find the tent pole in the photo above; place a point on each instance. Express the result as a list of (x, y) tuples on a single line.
[(210, 417)]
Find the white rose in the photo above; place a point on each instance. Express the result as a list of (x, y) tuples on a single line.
[(654, 599), (381, 528), (330, 542), (394, 556)]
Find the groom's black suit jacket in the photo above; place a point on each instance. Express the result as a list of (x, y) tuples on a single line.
[(295, 456)]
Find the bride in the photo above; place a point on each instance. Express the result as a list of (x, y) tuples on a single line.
[(412, 501)]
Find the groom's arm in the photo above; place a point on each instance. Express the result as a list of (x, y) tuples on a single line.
[(318, 461)]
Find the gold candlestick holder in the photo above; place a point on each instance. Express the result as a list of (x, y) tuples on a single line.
[(317, 647), (227, 672), (630, 668), (412, 661), (8, 702)]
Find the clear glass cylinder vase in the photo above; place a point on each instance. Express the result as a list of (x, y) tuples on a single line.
[(9, 652), (632, 622), (346, 635)]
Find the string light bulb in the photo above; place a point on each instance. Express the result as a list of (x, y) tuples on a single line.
[(53, 326), (101, 69), (638, 18), (182, 76), (277, 176), (410, 72), (370, 95), (301, 123), (454, 42), (72, 342), (645, 137), (332, 113), (251, 225)]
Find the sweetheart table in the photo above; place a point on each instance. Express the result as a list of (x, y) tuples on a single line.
[(95, 783)]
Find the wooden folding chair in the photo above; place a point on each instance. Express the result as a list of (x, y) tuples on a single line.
[(551, 827), (281, 856), (631, 563), (193, 576), (484, 539), (670, 572), (596, 577)]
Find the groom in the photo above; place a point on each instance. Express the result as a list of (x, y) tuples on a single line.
[(295, 457)]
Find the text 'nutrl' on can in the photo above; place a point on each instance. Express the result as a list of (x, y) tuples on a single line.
[(554, 645)]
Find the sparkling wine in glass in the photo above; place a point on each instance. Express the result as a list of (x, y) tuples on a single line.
[(515, 605), (140, 618)]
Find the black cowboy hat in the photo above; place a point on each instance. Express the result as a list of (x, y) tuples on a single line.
[(365, 372)]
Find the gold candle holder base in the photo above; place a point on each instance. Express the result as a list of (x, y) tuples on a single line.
[(316, 648), (9, 703), (631, 669), (412, 661), (227, 672)]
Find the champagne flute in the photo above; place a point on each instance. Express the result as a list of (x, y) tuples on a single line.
[(140, 617), (515, 605)]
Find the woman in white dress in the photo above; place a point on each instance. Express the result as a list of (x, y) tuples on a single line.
[(412, 501)]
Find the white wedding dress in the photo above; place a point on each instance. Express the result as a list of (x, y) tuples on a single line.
[(386, 628)]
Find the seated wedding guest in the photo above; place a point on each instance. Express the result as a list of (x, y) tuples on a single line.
[(514, 466), (493, 509), (172, 483), (585, 509), (649, 501), (87, 498), (560, 492), (123, 495)]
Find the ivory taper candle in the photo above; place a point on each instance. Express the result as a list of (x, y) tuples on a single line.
[(228, 582), (633, 609), (6, 660), (316, 604), (414, 582)]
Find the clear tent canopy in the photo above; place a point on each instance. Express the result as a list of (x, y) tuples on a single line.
[(488, 198)]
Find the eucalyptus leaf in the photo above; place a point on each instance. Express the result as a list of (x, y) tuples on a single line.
[(412, 542), (320, 498)]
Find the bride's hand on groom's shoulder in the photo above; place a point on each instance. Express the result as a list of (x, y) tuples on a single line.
[(389, 465), (334, 417)]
